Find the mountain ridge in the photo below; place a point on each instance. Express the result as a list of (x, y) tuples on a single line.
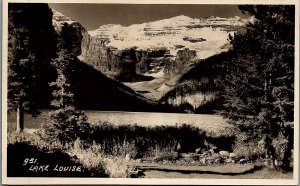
[(201, 34)]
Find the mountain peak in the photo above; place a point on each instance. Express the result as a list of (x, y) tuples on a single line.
[(182, 17), (57, 16)]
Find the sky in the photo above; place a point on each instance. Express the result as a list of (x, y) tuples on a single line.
[(91, 16)]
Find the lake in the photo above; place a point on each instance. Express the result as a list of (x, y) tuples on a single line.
[(207, 122)]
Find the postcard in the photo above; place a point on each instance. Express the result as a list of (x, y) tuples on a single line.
[(150, 92)]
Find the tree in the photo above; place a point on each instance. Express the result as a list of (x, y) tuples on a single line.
[(21, 72), (31, 43), (66, 123), (259, 90)]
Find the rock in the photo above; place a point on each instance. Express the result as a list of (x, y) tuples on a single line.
[(209, 160), (232, 155), (242, 161), (198, 150), (229, 161), (72, 32), (203, 161), (180, 63), (224, 153), (139, 160), (136, 173)]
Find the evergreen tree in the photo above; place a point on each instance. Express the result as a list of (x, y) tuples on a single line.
[(66, 123), (21, 71), (259, 90), (31, 44)]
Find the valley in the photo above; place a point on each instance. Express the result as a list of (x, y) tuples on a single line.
[(150, 58)]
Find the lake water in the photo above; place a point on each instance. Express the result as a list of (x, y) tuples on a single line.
[(206, 122)]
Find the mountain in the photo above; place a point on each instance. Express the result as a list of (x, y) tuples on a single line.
[(205, 35), (76, 33), (172, 61), (151, 57)]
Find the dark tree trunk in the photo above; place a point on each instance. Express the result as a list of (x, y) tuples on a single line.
[(20, 118)]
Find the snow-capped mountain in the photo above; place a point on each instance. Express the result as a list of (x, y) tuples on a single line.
[(149, 57), (205, 35)]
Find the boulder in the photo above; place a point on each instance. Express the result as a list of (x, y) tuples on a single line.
[(232, 155), (224, 153), (229, 161)]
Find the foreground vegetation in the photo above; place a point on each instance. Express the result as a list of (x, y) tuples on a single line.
[(114, 151)]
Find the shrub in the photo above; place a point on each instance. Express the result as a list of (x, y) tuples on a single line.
[(95, 160), (140, 140), (117, 167), (90, 158), (284, 156), (66, 125), (248, 150)]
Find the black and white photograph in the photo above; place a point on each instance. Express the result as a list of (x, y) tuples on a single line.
[(150, 93)]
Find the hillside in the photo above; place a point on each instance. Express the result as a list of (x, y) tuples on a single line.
[(93, 89), (199, 90)]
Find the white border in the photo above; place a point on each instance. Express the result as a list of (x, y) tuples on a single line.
[(175, 181)]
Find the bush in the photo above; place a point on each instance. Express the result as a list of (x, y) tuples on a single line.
[(91, 158), (95, 160), (66, 125), (140, 140), (117, 167), (282, 147), (249, 150)]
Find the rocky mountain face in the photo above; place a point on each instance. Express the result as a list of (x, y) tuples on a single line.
[(75, 33), (123, 52), (150, 57)]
